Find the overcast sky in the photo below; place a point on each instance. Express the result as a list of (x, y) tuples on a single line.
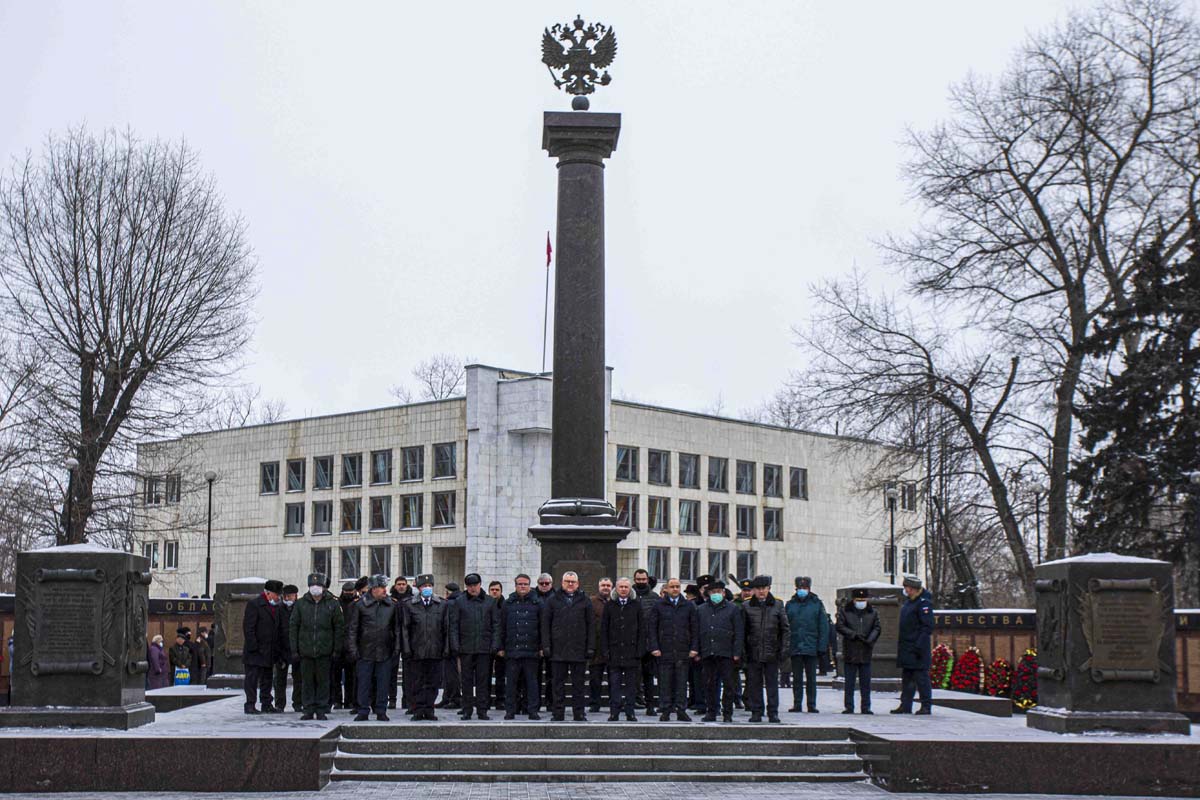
[(386, 158)]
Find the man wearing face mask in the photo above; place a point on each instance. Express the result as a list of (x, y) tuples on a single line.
[(426, 646), (810, 638), (767, 641), (265, 642), (858, 624), (721, 628), (913, 653), (643, 589), (287, 663), (317, 632)]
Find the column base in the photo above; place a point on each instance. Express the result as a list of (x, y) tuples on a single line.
[(1061, 720), (226, 681), (116, 717)]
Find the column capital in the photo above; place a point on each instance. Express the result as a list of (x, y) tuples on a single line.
[(580, 136)]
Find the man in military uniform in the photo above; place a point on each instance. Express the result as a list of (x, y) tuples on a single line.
[(426, 645), (914, 648), (316, 632)]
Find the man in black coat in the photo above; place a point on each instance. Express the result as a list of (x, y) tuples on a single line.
[(643, 589), (290, 661), (543, 591), (474, 637), (496, 592), (521, 649), (673, 639), (621, 643), (451, 681), (398, 686), (767, 644), (569, 643), (914, 647), (426, 643), (264, 643), (597, 669), (858, 625), (373, 644), (342, 683), (722, 632)]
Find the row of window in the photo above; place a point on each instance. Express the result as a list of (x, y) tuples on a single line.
[(909, 564), (658, 517), (658, 469), (412, 468), (379, 514), (658, 563), (170, 555), (159, 489), (379, 561)]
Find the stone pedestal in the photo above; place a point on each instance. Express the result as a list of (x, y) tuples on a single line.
[(1106, 646), (229, 608), (80, 639), (887, 599)]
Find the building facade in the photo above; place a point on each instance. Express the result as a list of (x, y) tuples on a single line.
[(452, 486)]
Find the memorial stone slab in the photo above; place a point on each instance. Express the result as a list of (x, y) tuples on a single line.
[(886, 599), (229, 607), (1106, 646), (80, 639)]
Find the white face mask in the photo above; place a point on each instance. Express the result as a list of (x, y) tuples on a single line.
[(316, 591), (861, 605), (288, 603)]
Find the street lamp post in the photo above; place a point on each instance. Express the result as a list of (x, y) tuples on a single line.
[(72, 465), (209, 476), (892, 494)]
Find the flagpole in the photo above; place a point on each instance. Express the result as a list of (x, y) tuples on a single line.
[(546, 307)]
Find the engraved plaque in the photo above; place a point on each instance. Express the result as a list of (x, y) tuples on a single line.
[(233, 611), (69, 638), (1123, 625)]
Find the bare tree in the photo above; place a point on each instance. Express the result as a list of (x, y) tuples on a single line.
[(239, 406), (131, 284), (440, 376), (401, 393), (783, 408)]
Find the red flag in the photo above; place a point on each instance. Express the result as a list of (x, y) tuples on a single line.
[(549, 250)]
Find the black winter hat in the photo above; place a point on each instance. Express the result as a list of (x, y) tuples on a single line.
[(859, 594), (316, 579), (273, 586), (912, 582), (473, 579), (761, 582), (361, 583), (289, 589)]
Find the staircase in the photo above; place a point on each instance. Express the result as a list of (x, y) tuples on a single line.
[(592, 752)]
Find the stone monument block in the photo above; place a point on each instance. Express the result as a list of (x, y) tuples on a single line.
[(886, 598), (80, 639), (1106, 646), (229, 606)]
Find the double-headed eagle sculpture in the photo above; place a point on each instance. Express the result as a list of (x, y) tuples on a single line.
[(575, 53)]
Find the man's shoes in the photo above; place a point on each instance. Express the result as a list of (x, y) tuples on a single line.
[(306, 717), (900, 711), (923, 711), (280, 709), (650, 712), (321, 716), (709, 718), (361, 716), (269, 709), (558, 716), (594, 709), (665, 716), (847, 710), (251, 710), (382, 718), (510, 716), (441, 704), (813, 711), (682, 716), (430, 716), (297, 709), (480, 714), (534, 716), (774, 718), (866, 711), (727, 718), (392, 704), (795, 710), (738, 704), (465, 715), (631, 717), (756, 717), (453, 706), (614, 717), (579, 716)]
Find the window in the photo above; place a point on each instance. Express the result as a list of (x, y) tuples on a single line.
[(320, 562), (268, 478), (352, 470), (908, 560), (350, 562), (412, 463), (412, 511), (689, 471), (323, 472), (381, 467), (657, 561), (352, 515), (658, 514), (295, 475), (410, 560), (689, 516), (718, 563), (908, 496), (718, 474), (658, 466), (381, 560), (323, 517), (799, 483), (745, 477), (745, 522), (689, 564), (444, 465), (888, 560), (170, 555), (627, 511), (152, 492), (772, 480), (381, 513), (174, 486), (443, 509), (747, 565), (294, 519), (627, 463), (718, 519), (150, 551), (773, 524)]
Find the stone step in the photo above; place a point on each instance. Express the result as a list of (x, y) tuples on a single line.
[(518, 729), (477, 776), (614, 764), (579, 745)]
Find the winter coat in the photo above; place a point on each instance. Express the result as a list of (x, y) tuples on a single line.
[(859, 631), (809, 625), (204, 647), (401, 597), (521, 626), (768, 637), (672, 629), (316, 627), (372, 632), (597, 610), (913, 650), (160, 676), (263, 634), (426, 629), (621, 637), (568, 627), (474, 625), (721, 629), (180, 656), (647, 598)]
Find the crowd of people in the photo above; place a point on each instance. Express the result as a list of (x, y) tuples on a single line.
[(700, 648)]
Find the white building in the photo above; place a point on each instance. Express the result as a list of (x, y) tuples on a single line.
[(452, 486)]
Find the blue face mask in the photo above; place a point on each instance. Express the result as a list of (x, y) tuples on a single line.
[(715, 598), (426, 592), (802, 593)]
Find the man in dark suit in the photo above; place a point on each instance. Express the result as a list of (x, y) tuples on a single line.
[(265, 642)]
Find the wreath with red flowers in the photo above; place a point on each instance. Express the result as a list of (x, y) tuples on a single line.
[(940, 666), (999, 678), (1024, 690), (968, 672)]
